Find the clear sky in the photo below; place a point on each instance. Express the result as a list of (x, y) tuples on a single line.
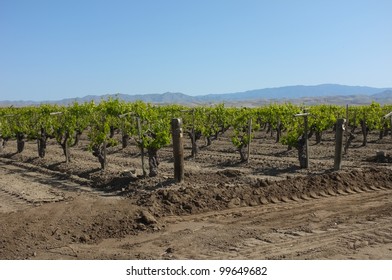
[(51, 49)]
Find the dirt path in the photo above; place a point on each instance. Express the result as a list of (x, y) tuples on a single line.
[(265, 209), (46, 217), (328, 228)]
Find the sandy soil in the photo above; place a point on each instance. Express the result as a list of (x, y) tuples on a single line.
[(265, 209)]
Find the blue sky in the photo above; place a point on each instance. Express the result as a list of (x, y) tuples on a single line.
[(52, 49)]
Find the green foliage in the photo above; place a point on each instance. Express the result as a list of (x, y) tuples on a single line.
[(101, 118), (294, 132), (240, 123), (372, 115), (217, 120), (7, 128), (323, 117), (65, 122), (155, 128)]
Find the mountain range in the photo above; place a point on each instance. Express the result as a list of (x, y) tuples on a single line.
[(319, 94)]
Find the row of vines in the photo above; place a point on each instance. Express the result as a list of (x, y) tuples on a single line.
[(149, 125)]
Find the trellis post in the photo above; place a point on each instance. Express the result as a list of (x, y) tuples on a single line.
[(389, 115), (340, 127), (178, 149), (305, 115), (249, 137)]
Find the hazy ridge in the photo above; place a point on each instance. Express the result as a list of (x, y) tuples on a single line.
[(319, 94)]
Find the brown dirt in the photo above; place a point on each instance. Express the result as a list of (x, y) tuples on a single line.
[(265, 209)]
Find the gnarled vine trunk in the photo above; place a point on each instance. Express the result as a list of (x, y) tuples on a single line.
[(99, 151), (20, 143), (112, 131), (301, 147), (195, 136), (2, 144), (124, 140), (279, 128), (64, 145), (365, 132), (351, 137), (209, 140), (153, 162), (41, 142), (319, 135), (243, 152), (77, 138), (384, 131)]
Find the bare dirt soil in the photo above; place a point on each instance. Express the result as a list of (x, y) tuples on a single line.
[(268, 208)]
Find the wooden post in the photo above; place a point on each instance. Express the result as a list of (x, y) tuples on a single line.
[(389, 115), (346, 132), (194, 149), (178, 150), (305, 115), (249, 137), (139, 128), (340, 127), (306, 140)]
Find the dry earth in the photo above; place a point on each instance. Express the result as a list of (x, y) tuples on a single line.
[(265, 209)]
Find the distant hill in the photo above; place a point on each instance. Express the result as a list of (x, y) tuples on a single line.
[(384, 97), (326, 93), (294, 92)]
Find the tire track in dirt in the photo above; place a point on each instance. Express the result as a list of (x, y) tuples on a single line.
[(293, 240), (45, 180), (11, 203), (26, 167), (329, 227), (185, 228), (295, 243), (34, 186), (12, 200)]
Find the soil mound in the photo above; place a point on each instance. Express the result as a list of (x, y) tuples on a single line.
[(191, 200)]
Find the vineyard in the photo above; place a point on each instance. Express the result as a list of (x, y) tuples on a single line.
[(149, 126), (97, 181)]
